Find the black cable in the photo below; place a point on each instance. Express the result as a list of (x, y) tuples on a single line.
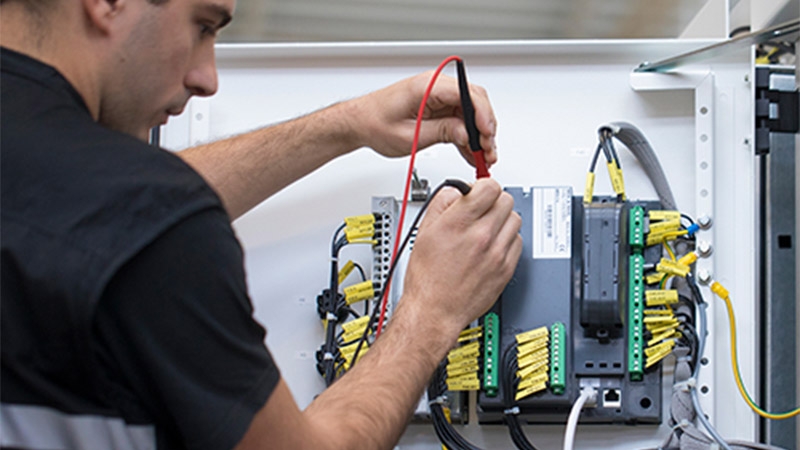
[(464, 189), (331, 315), (595, 157), (361, 271), (510, 381), (610, 142), (444, 430), (363, 278), (694, 341)]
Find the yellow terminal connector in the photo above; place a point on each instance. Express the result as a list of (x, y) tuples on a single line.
[(357, 221), (346, 270), (359, 292), (654, 278), (588, 191), (533, 369), (470, 350), (359, 232), (672, 268), (465, 369), (719, 290), (530, 391), (667, 226), (468, 382), (528, 336), (656, 215), (688, 259), (658, 297), (533, 381), (357, 324), (616, 178), (478, 333)]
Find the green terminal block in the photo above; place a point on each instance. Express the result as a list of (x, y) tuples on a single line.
[(491, 349), (635, 318), (636, 225), (558, 368)]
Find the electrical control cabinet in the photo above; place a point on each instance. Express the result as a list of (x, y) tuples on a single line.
[(574, 271), (549, 99)]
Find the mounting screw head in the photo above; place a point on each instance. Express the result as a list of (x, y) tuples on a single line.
[(704, 276), (704, 221), (704, 248)]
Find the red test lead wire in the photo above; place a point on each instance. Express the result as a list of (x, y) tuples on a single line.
[(472, 132)]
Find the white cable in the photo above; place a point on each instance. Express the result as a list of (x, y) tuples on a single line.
[(587, 392)]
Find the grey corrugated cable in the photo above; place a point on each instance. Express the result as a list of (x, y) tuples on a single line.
[(634, 139)]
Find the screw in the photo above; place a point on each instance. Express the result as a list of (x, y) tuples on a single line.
[(746, 141), (704, 248), (747, 78), (704, 276), (704, 221)]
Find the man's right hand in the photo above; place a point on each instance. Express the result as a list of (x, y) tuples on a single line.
[(465, 253)]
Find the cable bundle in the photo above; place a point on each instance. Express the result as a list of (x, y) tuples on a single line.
[(510, 380), (448, 436)]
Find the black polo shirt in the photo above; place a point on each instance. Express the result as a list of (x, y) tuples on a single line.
[(125, 316)]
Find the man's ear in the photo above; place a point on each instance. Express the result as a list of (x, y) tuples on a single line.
[(102, 13)]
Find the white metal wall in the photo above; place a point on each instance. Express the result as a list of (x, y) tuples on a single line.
[(549, 98)]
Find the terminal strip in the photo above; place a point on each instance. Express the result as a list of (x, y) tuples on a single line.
[(491, 347), (635, 317), (557, 358), (636, 223)]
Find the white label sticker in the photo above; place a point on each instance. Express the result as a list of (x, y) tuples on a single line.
[(552, 222)]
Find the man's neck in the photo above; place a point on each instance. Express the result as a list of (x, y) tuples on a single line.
[(26, 33)]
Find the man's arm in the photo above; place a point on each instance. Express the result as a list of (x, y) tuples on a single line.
[(465, 253), (249, 168)]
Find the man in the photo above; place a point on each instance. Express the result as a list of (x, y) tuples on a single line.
[(125, 316)]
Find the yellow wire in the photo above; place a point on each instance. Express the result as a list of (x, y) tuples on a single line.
[(669, 250), (738, 376), (669, 235)]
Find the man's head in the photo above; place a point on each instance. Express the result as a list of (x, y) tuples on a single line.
[(135, 62)]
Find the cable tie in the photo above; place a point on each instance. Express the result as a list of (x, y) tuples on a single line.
[(331, 317), (683, 425), (511, 411), (685, 386), (334, 259), (440, 400), (328, 356)]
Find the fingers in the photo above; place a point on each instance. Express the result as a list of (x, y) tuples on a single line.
[(445, 99), (443, 200), (486, 122)]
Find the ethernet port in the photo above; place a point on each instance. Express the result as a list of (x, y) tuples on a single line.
[(611, 398)]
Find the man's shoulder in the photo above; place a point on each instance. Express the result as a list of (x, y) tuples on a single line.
[(96, 187)]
